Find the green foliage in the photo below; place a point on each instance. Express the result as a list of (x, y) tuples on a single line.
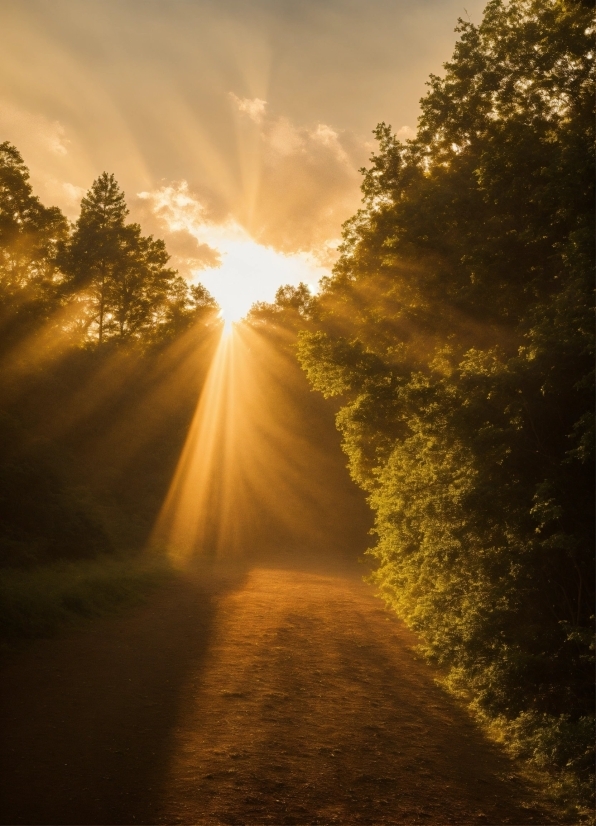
[(42, 518), (289, 312), (457, 331), (97, 281), (120, 278), (30, 237), (102, 352), (39, 602), (30, 233), (188, 307)]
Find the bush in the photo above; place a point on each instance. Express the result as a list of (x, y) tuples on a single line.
[(42, 519), (40, 601)]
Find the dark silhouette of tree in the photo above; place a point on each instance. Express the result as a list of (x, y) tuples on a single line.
[(62, 289), (121, 276), (290, 308), (94, 257), (30, 235), (188, 305)]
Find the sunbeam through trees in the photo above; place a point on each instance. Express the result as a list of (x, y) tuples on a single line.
[(427, 410)]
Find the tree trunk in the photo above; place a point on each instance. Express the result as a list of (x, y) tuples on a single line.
[(102, 301)]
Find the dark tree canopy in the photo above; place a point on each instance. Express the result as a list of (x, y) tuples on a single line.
[(98, 336), (30, 236), (96, 281), (119, 276), (457, 332)]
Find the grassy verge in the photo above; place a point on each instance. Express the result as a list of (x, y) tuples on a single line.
[(559, 755), (555, 754), (41, 601)]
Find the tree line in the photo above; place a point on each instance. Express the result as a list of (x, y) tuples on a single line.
[(457, 335), (103, 348), (115, 280)]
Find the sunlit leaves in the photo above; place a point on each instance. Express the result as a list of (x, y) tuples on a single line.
[(457, 330)]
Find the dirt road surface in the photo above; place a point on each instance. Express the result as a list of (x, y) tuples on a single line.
[(274, 696)]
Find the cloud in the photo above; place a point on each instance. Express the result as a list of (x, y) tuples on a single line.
[(330, 138), (176, 213), (142, 89), (309, 185), (301, 181), (283, 138), (176, 206), (234, 266), (253, 107), (72, 192), (189, 254), (281, 135)]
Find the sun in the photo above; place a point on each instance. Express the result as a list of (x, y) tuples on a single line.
[(228, 324), (247, 271), (251, 272)]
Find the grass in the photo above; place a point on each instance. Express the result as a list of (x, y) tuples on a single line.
[(41, 601), (559, 755), (555, 754)]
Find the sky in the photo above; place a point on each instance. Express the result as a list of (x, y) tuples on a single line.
[(236, 128)]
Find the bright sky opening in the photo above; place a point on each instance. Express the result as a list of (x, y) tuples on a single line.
[(244, 271), (250, 272), (263, 111)]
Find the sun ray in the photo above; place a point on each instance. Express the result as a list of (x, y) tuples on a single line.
[(253, 474), (190, 517)]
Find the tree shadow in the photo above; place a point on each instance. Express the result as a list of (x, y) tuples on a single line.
[(87, 719)]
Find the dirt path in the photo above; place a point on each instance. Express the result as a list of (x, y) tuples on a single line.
[(285, 697)]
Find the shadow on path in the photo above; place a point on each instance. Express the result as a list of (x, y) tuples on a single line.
[(313, 710), (86, 720), (270, 695)]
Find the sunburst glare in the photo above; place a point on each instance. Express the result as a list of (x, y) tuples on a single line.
[(193, 512), (245, 459), (244, 271), (251, 272)]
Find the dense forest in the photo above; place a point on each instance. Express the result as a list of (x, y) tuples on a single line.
[(457, 334), (456, 338), (102, 350)]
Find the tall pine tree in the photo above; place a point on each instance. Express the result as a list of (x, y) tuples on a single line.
[(96, 251), (120, 275)]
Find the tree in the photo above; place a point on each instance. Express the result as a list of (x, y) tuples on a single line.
[(189, 305), (290, 308), (30, 235), (457, 330), (104, 277), (141, 285), (119, 275), (96, 253)]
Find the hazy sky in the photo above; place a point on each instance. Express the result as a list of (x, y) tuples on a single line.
[(235, 127)]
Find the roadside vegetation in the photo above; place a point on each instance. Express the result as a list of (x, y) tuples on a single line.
[(103, 350), (47, 599), (456, 335)]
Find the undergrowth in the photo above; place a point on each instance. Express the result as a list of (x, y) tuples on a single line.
[(556, 752), (40, 601), (560, 753)]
